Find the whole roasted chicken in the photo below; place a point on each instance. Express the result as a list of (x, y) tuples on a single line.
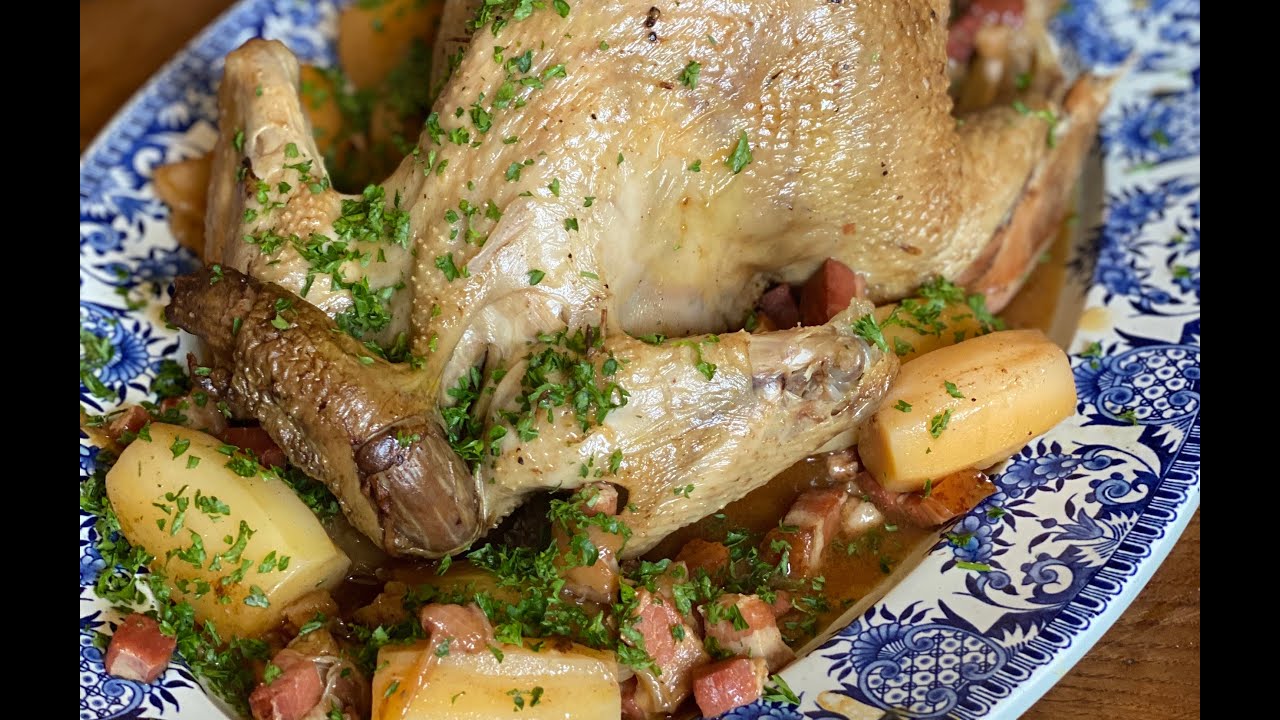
[(532, 300)]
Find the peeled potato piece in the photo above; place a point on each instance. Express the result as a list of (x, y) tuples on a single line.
[(373, 38), (183, 186), (1014, 385), (959, 320), (202, 522), (413, 683)]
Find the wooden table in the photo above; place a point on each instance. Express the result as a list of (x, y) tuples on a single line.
[(1147, 667)]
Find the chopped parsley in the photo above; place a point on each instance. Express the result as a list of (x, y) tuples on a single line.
[(95, 353), (563, 374), (938, 423), (689, 76), (370, 220), (1093, 351), (1045, 114), (868, 329), (445, 264), (740, 155), (780, 692), (535, 276), (535, 695), (257, 598)]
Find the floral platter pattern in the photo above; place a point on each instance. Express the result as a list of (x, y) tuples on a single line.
[(1082, 518)]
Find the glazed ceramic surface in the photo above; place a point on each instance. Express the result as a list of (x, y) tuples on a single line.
[(1027, 582)]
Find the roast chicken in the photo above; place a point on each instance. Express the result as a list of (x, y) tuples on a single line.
[(549, 290)]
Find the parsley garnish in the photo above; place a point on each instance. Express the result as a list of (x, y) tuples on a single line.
[(95, 353), (451, 271), (740, 156), (938, 423), (1044, 114), (952, 390), (902, 406), (689, 76), (868, 329), (780, 692), (517, 697), (1093, 351), (370, 220)]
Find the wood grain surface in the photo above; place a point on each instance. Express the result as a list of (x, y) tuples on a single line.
[(1147, 666)]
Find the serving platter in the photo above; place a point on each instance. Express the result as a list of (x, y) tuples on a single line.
[(990, 618)]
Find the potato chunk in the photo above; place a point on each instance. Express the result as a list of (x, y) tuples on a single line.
[(1012, 386), (956, 322), (413, 683), (218, 535)]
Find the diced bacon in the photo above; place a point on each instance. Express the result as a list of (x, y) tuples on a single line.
[(947, 497), (464, 626), (829, 291), (594, 581), (780, 307), (385, 609), (138, 650), (306, 608), (597, 582), (781, 603), (806, 529), (818, 508), (601, 499), (678, 574), (630, 707), (793, 547), (206, 418), (316, 644), (129, 421), (345, 687), (859, 516), (728, 684), (674, 645), (657, 618), (746, 626), (710, 557), (291, 694), (843, 465), (257, 440)]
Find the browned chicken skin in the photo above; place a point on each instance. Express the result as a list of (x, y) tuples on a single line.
[(578, 176)]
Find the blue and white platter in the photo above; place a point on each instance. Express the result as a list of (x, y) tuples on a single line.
[(1082, 518)]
